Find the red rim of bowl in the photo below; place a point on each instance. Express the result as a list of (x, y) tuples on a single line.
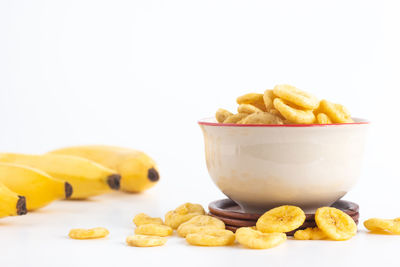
[(203, 122)]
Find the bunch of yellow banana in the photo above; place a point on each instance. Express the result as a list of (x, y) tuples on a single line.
[(138, 171), (29, 182), (86, 177)]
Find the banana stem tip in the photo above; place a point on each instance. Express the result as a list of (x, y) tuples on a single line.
[(114, 181), (21, 205), (68, 189), (153, 175)]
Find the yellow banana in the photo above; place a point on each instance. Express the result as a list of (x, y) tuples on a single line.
[(86, 177), (138, 171), (38, 187), (11, 203)]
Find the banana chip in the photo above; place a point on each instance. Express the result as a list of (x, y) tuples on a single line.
[(222, 114), (288, 122), (268, 98), (189, 208), (248, 108), (274, 112), (322, 118), (335, 224), (281, 219), (296, 96), (336, 112), (211, 238), (261, 118), (383, 225), (293, 114), (153, 229), (236, 117), (241, 121), (98, 232), (143, 218), (309, 234), (183, 213), (199, 223), (145, 241), (251, 238), (252, 99)]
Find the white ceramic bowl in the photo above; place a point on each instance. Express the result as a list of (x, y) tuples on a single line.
[(264, 166)]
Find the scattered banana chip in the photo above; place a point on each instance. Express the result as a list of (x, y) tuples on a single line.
[(294, 114), (199, 223), (183, 213), (336, 112), (296, 96), (211, 238), (248, 108), (281, 219), (383, 225), (143, 218), (252, 99), (309, 234), (98, 232), (268, 98), (261, 118), (145, 241), (322, 118), (153, 229), (236, 117), (190, 208), (222, 114), (251, 238), (191, 229), (335, 224)]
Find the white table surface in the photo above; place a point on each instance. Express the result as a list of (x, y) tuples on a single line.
[(40, 238)]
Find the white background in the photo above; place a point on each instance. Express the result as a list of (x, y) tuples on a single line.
[(141, 73)]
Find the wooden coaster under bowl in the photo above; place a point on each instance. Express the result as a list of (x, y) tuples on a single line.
[(232, 215)]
